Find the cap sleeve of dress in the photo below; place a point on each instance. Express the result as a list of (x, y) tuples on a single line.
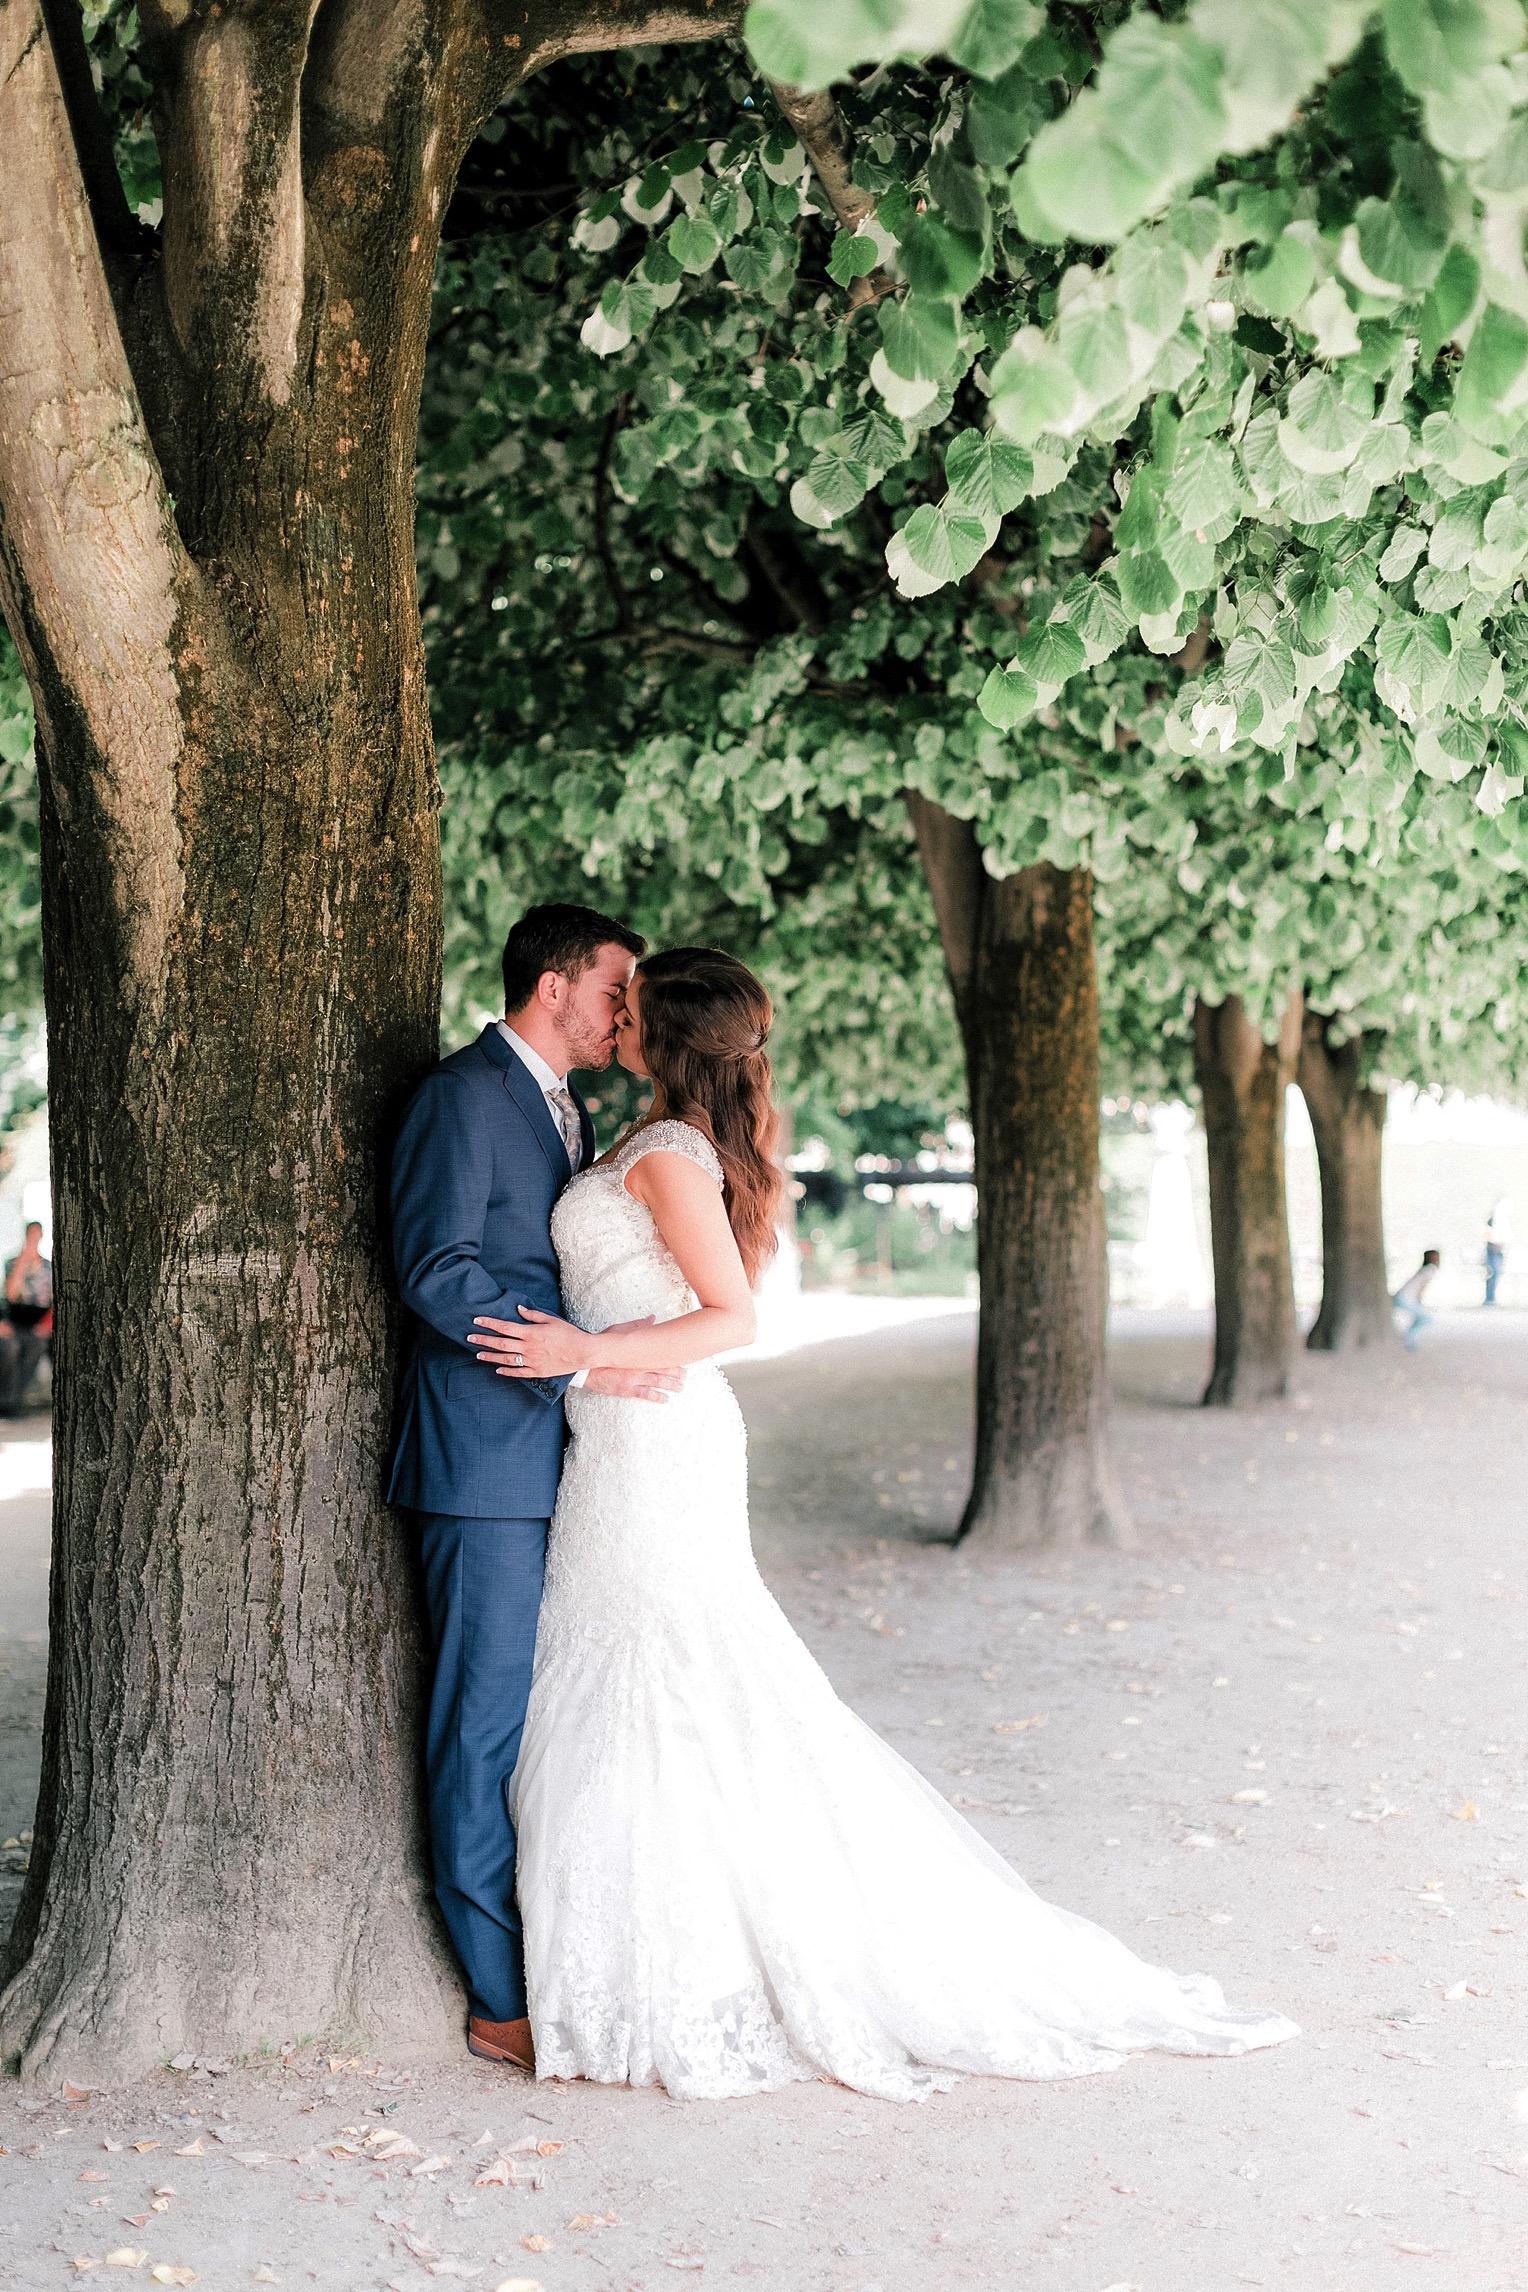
[(673, 1138)]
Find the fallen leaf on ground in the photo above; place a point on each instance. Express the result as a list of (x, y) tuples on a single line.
[(483, 2141), (594, 2220), (535, 2244), (76, 2092), (1248, 1799), (451, 2268), (164, 2274), (1196, 1838), (143, 2147), (519, 2284), (84, 2262), (192, 2149), (95, 2176), (251, 2157), (1019, 1726), (1469, 1812), (160, 2204), (126, 2256), (1455, 1990), (430, 2165), (264, 2275), (394, 2145), (499, 2175)]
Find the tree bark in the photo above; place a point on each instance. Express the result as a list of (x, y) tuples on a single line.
[(206, 561), (1243, 1082), (1348, 1119), (1020, 957)]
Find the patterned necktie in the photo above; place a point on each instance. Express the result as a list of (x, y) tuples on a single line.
[(560, 1100)]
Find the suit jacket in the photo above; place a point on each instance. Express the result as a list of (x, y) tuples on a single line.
[(478, 1165)]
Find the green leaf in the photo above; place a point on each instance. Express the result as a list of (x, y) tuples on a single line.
[(1399, 244), (1204, 495), (959, 190), (1496, 357), (1052, 653), (1032, 389), (1145, 583), (1450, 302), (919, 338), (1278, 278), (1096, 346), (1414, 647), (751, 264), (1007, 697), (1153, 282), (1082, 185), (944, 542), (1001, 117), (694, 243), (837, 481), (939, 261), (876, 438), (987, 475), (1320, 432), (991, 36), (853, 257), (1434, 43)]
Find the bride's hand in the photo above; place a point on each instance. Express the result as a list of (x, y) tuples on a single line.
[(538, 1345)]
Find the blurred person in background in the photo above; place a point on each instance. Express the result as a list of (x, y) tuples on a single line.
[(27, 1322), (1408, 1298), (1498, 1239)]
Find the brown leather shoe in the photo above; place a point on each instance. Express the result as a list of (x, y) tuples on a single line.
[(502, 2041)]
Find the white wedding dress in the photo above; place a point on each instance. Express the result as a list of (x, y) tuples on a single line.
[(727, 1880)]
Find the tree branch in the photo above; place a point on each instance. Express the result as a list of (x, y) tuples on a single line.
[(93, 577), (123, 240), (957, 883), (234, 230), (822, 131)]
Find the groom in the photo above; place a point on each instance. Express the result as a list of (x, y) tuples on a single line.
[(490, 1139)]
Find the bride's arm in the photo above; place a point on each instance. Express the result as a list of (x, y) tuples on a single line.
[(691, 1217)]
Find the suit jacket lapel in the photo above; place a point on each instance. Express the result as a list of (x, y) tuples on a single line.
[(527, 1094), (585, 1128)]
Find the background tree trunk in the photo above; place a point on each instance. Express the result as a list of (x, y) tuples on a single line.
[(1348, 1119), (1020, 957), (206, 561), (1243, 1082)]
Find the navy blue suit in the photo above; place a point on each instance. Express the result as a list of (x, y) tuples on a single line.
[(478, 1165)]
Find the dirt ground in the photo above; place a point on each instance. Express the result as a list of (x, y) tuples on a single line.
[(1282, 1740)]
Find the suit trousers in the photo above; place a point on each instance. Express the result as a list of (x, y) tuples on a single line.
[(482, 1582)]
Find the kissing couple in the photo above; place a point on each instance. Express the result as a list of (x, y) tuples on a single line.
[(666, 1853)]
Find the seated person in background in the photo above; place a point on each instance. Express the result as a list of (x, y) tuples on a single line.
[(28, 1302), (1408, 1298)]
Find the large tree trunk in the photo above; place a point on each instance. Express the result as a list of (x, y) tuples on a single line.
[(206, 560), (1244, 1082), (1020, 956), (1348, 1119)]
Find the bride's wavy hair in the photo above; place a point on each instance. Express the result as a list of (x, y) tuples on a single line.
[(705, 1024)]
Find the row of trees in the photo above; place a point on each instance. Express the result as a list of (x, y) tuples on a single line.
[(1083, 464)]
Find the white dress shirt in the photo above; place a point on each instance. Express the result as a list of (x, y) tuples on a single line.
[(533, 1061), (542, 1074)]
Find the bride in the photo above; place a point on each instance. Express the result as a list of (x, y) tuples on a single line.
[(727, 1880)]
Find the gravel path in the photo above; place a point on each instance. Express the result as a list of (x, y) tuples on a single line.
[(1282, 1740)]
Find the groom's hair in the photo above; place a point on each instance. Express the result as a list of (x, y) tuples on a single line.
[(559, 937)]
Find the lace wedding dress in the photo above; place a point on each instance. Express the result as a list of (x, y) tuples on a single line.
[(727, 1880)]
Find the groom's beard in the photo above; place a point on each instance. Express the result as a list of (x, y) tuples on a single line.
[(586, 1052)]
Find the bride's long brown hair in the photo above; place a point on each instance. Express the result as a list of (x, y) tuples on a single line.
[(705, 1024)]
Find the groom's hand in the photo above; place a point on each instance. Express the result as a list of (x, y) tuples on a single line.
[(635, 1384)]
